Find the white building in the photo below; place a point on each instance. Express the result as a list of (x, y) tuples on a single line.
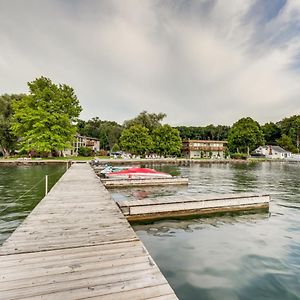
[(273, 152), (203, 148), (83, 141)]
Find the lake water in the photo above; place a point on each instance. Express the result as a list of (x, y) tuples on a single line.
[(21, 188), (239, 257)]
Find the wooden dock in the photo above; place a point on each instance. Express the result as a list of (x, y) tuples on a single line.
[(116, 183), (76, 244), (193, 205)]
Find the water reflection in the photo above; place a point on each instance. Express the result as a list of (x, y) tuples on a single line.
[(234, 257), (21, 188)]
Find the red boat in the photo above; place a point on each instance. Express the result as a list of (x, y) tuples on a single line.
[(136, 173)]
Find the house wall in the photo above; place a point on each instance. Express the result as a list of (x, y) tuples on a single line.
[(265, 150), (81, 141), (203, 149)]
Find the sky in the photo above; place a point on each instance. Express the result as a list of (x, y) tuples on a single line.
[(200, 62)]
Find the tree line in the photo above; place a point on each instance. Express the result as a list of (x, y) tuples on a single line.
[(46, 120)]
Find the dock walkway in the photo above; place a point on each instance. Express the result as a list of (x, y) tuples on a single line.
[(76, 244)]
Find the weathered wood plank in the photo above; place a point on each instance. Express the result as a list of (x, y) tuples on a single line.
[(76, 244), (170, 207), (159, 292), (190, 198)]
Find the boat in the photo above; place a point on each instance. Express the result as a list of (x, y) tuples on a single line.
[(109, 169), (137, 173)]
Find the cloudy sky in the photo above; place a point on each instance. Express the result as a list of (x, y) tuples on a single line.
[(200, 62)]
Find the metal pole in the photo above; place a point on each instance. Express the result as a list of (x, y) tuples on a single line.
[(46, 185)]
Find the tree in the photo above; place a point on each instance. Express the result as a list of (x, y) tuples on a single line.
[(150, 121), (271, 133), (291, 127), (107, 131), (286, 143), (210, 132), (115, 148), (244, 136), (166, 140), (136, 140), (7, 138), (44, 120)]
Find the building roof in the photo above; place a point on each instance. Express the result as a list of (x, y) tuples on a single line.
[(278, 149), (204, 141), (87, 137)]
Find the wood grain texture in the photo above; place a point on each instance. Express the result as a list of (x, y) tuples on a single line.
[(76, 244), (190, 205)]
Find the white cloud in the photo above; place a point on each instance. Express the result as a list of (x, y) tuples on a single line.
[(200, 64)]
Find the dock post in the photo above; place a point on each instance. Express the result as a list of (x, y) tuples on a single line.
[(46, 185)]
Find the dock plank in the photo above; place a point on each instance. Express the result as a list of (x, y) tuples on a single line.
[(77, 244), (191, 205)]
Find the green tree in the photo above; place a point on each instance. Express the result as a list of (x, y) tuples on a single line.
[(286, 143), (166, 140), (85, 151), (108, 132), (148, 120), (291, 127), (271, 133), (44, 120), (7, 138), (245, 135), (136, 140), (210, 132), (115, 148)]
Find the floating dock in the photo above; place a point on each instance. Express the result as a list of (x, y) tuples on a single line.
[(194, 205), (114, 183), (76, 244)]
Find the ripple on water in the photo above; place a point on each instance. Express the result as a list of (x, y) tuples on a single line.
[(234, 257)]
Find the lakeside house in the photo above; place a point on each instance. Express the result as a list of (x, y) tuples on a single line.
[(272, 152), (203, 148), (83, 141)]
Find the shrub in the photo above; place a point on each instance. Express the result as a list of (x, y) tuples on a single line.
[(85, 151), (239, 156)]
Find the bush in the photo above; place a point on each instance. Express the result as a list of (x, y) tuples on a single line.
[(115, 148), (239, 156), (85, 151), (102, 152)]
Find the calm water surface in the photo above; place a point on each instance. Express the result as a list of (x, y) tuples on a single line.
[(240, 257), (21, 188), (236, 257)]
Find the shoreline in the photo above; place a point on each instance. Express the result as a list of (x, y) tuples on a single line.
[(102, 162)]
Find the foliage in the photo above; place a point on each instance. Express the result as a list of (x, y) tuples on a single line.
[(44, 119), (210, 132), (271, 133), (7, 138), (102, 153), (136, 140), (115, 148), (148, 120), (245, 136), (291, 128), (239, 156), (107, 131), (286, 143), (85, 151), (166, 140)]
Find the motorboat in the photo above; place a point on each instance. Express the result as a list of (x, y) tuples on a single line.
[(137, 173), (109, 169)]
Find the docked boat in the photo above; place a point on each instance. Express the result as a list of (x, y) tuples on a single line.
[(109, 169), (137, 173)]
